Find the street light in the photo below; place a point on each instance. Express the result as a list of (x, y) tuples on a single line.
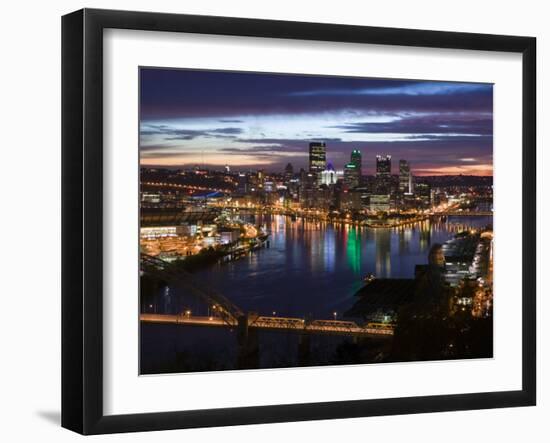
[(335, 314)]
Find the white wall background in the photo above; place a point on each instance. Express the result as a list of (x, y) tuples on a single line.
[(30, 217)]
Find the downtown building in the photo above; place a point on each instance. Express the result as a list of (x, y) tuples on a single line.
[(351, 176), (383, 166), (288, 174), (353, 170), (380, 198), (357, 160), (423, 193), (405, 177), (317, 157), (328, 176)]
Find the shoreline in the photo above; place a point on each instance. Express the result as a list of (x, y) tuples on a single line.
[(384, 224)]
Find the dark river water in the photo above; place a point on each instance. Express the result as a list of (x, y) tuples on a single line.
[(310, 269)]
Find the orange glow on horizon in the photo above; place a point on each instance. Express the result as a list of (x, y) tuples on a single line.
[(481, 169), (209, 161), (238, 161)]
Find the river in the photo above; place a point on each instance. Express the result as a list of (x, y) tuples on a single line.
[(310, 270)]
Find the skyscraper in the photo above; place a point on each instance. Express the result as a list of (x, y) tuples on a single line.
[(242, 183), (289, 172), (351, 175), (261, 179), (317, 157), (404, 177), (356, 159), (424, 192), (328, 176), (383, 174), (383, 166)]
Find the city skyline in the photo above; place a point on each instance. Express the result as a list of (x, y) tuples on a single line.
[(264, 121)]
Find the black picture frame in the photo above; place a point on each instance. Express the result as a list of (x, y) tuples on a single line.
[(82, 218)]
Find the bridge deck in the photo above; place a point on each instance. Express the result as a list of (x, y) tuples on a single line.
[(324, 327)]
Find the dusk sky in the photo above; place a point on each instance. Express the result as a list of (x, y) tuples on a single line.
[(254, 120)]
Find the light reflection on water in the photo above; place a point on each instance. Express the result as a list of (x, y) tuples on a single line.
[(314, 268), (311, 269)]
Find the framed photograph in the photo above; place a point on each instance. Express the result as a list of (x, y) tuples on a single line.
[(269, 221)]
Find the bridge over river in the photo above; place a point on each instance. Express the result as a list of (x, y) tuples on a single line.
[(228, 315), (456, 213), (268, 323)]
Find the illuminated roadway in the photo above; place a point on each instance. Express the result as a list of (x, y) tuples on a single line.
[(325, 327), (184, 186), (231, 316), (463, 213)]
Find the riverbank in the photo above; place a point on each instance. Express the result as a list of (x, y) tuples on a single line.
[(221, 254), (310, 271), (399, 220)]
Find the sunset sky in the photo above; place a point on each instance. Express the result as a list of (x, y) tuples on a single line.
[(255, 120)]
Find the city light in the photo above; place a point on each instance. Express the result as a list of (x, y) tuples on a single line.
[(224, 226), (309, 220)]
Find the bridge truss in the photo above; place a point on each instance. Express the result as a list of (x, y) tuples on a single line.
[(169, 272), (231, 315)]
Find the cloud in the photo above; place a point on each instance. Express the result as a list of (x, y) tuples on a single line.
[(228, 96), (411, 89), (170, 133), (433, 123), (427, 157), (225, 131), (265, 119), (274, 151)]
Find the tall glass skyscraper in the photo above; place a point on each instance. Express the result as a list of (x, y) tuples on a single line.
[(383, 174), (356, 159), (383, 166), (352, 170), (351, 175), (404, 177)]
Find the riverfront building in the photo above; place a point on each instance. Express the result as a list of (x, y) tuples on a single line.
[(380, 203)]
